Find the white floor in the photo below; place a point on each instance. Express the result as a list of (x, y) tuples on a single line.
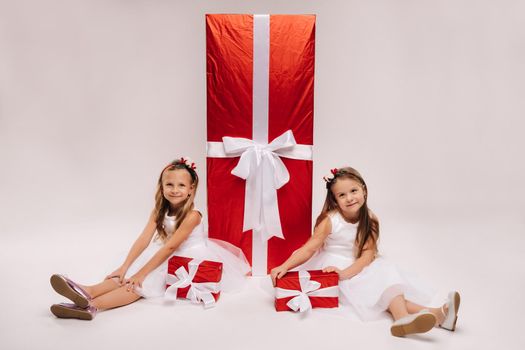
[(423, 97), (489, 276)]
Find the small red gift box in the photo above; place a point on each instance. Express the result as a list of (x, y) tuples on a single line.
[(197, 280), (303, 290)]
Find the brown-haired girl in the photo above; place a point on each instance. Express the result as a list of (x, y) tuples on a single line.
[(345, 240), (179, 231)]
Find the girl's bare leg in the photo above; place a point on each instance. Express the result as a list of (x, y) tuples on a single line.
[(413, 308), (101, 288), (115, 298), (398, 307)]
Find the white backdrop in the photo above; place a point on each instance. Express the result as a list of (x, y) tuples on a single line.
[(425, 98)]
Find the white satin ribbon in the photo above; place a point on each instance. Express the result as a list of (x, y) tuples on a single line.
[(198, 291), (264, 171), (309, 288), (260, 164)]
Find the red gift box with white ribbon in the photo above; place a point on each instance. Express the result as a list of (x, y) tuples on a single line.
[(260, 87), (196, 280), (304, 290)]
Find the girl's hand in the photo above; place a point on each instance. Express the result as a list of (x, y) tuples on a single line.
[(134, 281), (277, 273), (119, 273), (341, 273)]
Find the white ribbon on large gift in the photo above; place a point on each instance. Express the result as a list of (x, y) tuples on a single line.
[(198, 291), (309, 288), (260, 164), (264, 171)]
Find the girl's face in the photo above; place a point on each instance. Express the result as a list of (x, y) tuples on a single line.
[(350, 197), (176, 186)]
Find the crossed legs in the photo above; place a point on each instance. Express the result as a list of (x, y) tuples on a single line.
[(87, 300), (400, 307), (109, 294)]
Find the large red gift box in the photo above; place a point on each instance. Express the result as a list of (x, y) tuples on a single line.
[(260, 88), (303, 290), (197, 280)]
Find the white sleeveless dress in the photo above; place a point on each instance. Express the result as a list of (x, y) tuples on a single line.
[(370, 292), (197, 246)]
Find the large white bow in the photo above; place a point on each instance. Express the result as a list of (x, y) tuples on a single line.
[(198, 291), (264, 171), (309, 288)]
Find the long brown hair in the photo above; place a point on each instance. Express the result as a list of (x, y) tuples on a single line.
[(368, 227), (162, 205)]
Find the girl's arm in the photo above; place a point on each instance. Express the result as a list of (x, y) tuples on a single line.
[(179, 236), (367, 256), (306, 251), (136, 249)]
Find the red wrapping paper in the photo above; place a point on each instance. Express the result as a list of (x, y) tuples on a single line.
[(208, 271), (291, 281), (229, 66)]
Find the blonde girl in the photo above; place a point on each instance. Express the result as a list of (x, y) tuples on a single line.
[(174, 228)]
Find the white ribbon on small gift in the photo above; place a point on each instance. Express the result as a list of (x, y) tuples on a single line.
[(198, 291), (309, 288)]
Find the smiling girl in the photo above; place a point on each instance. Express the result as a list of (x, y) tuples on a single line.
[(345, 240), (179, 231)]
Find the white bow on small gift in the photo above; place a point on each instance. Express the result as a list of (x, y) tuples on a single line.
[(309, 288), (198, 291)]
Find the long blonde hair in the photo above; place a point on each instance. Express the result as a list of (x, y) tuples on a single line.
[(368, 227), (162, 205)]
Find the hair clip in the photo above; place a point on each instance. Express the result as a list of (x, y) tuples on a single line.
[(187, 162), (330, 177)]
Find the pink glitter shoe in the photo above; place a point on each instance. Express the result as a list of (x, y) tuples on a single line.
[(66, 287), (64, 310)]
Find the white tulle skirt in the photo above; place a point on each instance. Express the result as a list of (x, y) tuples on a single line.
[(235, 264), (369, 293)]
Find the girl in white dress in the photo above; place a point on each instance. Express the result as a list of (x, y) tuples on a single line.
[(345, 241), (179, 231)]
